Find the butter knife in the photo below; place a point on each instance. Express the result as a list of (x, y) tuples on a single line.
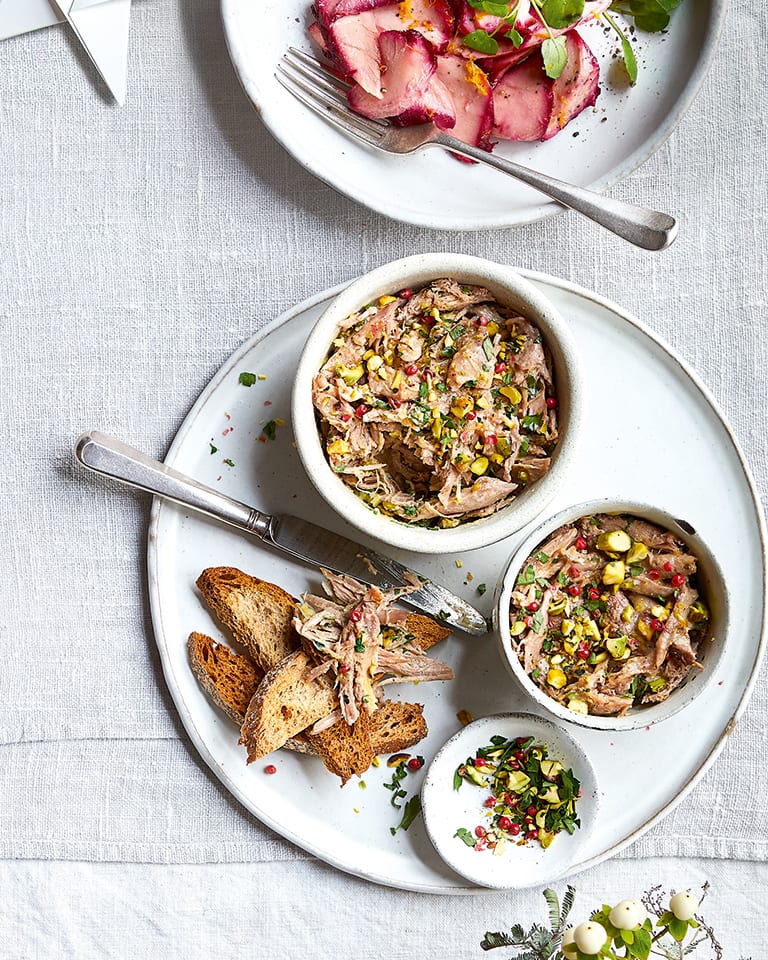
[(303, 540)]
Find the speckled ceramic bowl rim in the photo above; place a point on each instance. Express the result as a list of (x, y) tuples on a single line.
[(714, 586), (564, 745), (512, 290)]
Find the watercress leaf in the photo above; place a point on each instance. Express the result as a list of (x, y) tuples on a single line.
[(650, 15), (463, 834), (515, 37), (495, 9), (562, 13), (629, 60), (482, 42), (555, 56)]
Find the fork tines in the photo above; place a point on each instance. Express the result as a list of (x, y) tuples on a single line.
[(325, 94)]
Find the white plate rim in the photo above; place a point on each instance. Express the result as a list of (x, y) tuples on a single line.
[(545, 210), (187, 716)]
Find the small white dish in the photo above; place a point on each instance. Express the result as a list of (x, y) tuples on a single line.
[(447, 809), (715, 594), (511, 290)]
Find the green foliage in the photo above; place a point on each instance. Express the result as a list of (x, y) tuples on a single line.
[(538, 943), (560, 14), (649, 15)]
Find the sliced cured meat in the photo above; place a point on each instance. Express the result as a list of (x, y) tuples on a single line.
[(576, 88), (353, 40), (523, 102), (530, 106), (410, 92), (472, 99)]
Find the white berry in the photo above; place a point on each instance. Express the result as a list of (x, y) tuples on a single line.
[(589, 937), (568, 946), (684, 905), (628, 915)]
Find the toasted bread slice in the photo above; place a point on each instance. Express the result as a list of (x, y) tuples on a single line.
[(257, 613), (426, 631), (285, 703), (345, 750), (229, 678), (396, 726)]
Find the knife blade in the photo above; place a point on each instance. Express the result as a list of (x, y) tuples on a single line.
[(301, 539)]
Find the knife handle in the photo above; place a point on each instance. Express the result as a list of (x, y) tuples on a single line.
[(113, 458)]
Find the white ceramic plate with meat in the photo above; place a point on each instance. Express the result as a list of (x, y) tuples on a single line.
[(645, 449), (432, 189)]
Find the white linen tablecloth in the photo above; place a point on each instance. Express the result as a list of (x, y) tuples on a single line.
[(140, 247)]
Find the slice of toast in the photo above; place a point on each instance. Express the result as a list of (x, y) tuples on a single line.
[(230, 679), (345, 750), (285, 703), (257, 613), (426, 631)]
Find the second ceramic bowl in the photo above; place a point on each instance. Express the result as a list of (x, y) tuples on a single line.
[(509, 289), (713, 588)]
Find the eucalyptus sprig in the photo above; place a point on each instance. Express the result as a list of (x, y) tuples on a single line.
[(656, 925)]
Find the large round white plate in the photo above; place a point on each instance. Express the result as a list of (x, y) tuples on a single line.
[(432, 189), (652, 434)]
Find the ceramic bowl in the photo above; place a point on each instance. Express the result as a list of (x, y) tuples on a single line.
[(447, 809), (713, 589), (509, 289)]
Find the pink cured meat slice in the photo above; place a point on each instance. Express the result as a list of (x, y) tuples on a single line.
[(413, 93), (330, 10), (471, 94), (353, 40), (529, 106), (523, 102), (576, 88)]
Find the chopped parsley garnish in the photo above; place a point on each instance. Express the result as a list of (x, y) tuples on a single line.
[(269, 430), (247, 379)]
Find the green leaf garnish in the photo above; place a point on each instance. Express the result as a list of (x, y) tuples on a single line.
[(555, 56), (562, 13), (630, 63), (482, 42), (247, 379)]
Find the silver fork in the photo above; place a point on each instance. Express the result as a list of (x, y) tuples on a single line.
[(325, 93)]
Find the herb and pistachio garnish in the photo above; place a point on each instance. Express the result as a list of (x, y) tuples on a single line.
[(437, 406), (606, 615), (530, 797), (404, 764)]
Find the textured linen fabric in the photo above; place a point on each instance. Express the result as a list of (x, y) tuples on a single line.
[(140, 247), (118, 910)]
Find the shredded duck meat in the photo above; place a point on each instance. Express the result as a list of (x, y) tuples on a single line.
[(362, 641), (606, 615), (437, 406)]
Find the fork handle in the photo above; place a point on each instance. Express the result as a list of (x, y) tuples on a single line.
[(646, 228)]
